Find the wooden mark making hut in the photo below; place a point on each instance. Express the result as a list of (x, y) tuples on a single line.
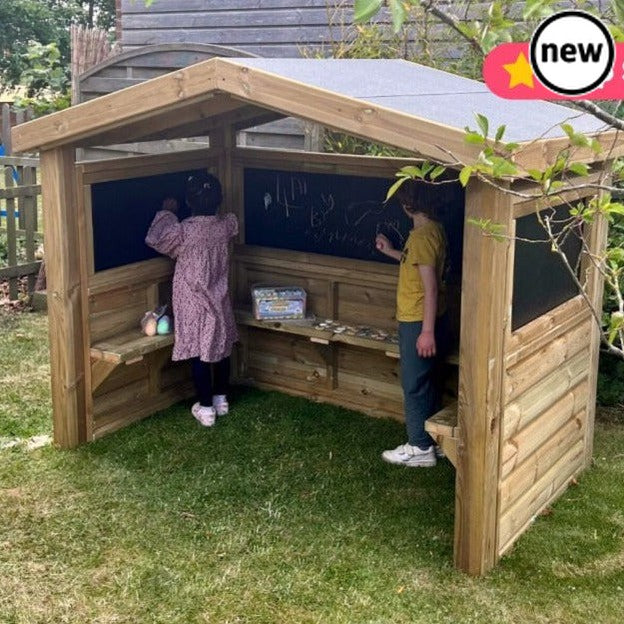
[(521, 425)]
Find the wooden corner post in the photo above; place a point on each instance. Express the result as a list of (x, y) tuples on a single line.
[(65, 313), (484, 320)]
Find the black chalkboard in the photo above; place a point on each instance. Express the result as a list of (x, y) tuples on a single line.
[(541, 280), (122, 211), (338, 215)]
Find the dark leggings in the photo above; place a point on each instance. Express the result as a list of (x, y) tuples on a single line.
[(203, 373)]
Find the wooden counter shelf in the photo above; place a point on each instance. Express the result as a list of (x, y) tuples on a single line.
[(304, 328), (442, 427), (127, 348)]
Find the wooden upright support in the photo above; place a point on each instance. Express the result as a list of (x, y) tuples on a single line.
[(65, 313), (483, 325)]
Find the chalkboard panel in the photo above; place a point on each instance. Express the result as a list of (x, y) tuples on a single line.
[(122, 211), (541, 280), (337, 215)]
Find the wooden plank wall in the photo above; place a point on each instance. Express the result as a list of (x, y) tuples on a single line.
[(546, 387), (351, 291), (284, 28), (115, 302)]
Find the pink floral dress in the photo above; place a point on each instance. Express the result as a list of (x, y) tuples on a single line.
[(204, 320)]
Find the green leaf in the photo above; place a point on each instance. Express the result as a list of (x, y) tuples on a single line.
[(595, 146), (395, 187), (411, 171), (580, 169), (483, 123), (437, 172), (464, 175), (536, 174), (363, 10), (398, 10), (474, 137), (511, 147), (499, 133), (568, 129)]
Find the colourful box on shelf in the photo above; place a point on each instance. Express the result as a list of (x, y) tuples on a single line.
[(278, 302)]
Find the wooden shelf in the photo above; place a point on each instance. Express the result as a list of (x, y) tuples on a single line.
[(305, 328), (442, 427), (128, 347)]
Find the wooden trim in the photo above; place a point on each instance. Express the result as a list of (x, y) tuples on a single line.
[(139, 166), (155, 269), (65, 301), (314, 162), (483, 318)]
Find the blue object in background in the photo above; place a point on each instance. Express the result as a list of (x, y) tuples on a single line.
[(15, 174)]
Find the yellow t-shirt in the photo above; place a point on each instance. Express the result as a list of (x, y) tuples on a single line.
[(425, 245)]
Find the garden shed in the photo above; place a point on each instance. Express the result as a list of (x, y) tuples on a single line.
[(527, 347)]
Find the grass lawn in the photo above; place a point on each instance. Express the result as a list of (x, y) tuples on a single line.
[(281, 513)]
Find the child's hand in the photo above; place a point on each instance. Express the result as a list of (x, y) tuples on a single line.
[(383, 244), (426, 345), (170, 204)]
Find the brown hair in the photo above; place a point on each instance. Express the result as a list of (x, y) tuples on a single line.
[(420, 196)]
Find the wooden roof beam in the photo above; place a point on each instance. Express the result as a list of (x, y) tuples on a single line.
[(147, 100), (158, 127)]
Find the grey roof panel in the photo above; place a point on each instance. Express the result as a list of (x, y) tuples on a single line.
[(429, 94)]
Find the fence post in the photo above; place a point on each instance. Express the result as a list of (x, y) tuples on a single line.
[(6, 129)]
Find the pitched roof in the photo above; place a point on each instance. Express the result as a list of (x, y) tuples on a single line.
[(404, 104)]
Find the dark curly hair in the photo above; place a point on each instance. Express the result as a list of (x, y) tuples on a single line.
[(203, 194)]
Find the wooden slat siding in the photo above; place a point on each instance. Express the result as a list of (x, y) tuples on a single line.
[(532, 369), (541, 395), (137, 409), (145, 63), (485, 272), (519, 515), (536, 465), (65, 311), (540, 330), (521, 445)]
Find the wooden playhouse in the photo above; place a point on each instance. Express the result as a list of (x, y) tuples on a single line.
[(521, 426)]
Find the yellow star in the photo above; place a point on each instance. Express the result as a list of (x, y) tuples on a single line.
[(520, 72)]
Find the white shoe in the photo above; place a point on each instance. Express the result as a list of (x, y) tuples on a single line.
[(206, 415), (439, 453), (407, 455), (220, 404)]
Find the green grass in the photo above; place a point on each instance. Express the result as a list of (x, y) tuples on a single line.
[(281, 513)]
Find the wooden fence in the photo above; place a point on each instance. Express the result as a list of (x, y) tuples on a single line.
[(20, 224)]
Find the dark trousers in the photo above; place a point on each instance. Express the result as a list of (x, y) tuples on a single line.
[(205, 385), (420, 380)]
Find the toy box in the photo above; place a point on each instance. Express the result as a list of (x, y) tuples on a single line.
[(278, 302)]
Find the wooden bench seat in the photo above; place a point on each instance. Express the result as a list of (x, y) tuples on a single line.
[(442, 427), (128, 347)]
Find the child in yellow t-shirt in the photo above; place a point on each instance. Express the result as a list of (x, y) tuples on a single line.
[(421, 304)]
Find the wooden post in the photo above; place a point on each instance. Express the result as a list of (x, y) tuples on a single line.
[(483, 326), (597, 242), (65, 313)]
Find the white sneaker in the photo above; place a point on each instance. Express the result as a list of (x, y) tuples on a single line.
[(220, 404), (204, 414), (407, 455)]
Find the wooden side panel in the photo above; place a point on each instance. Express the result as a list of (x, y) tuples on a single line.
[(65, 299), (549, 386)]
